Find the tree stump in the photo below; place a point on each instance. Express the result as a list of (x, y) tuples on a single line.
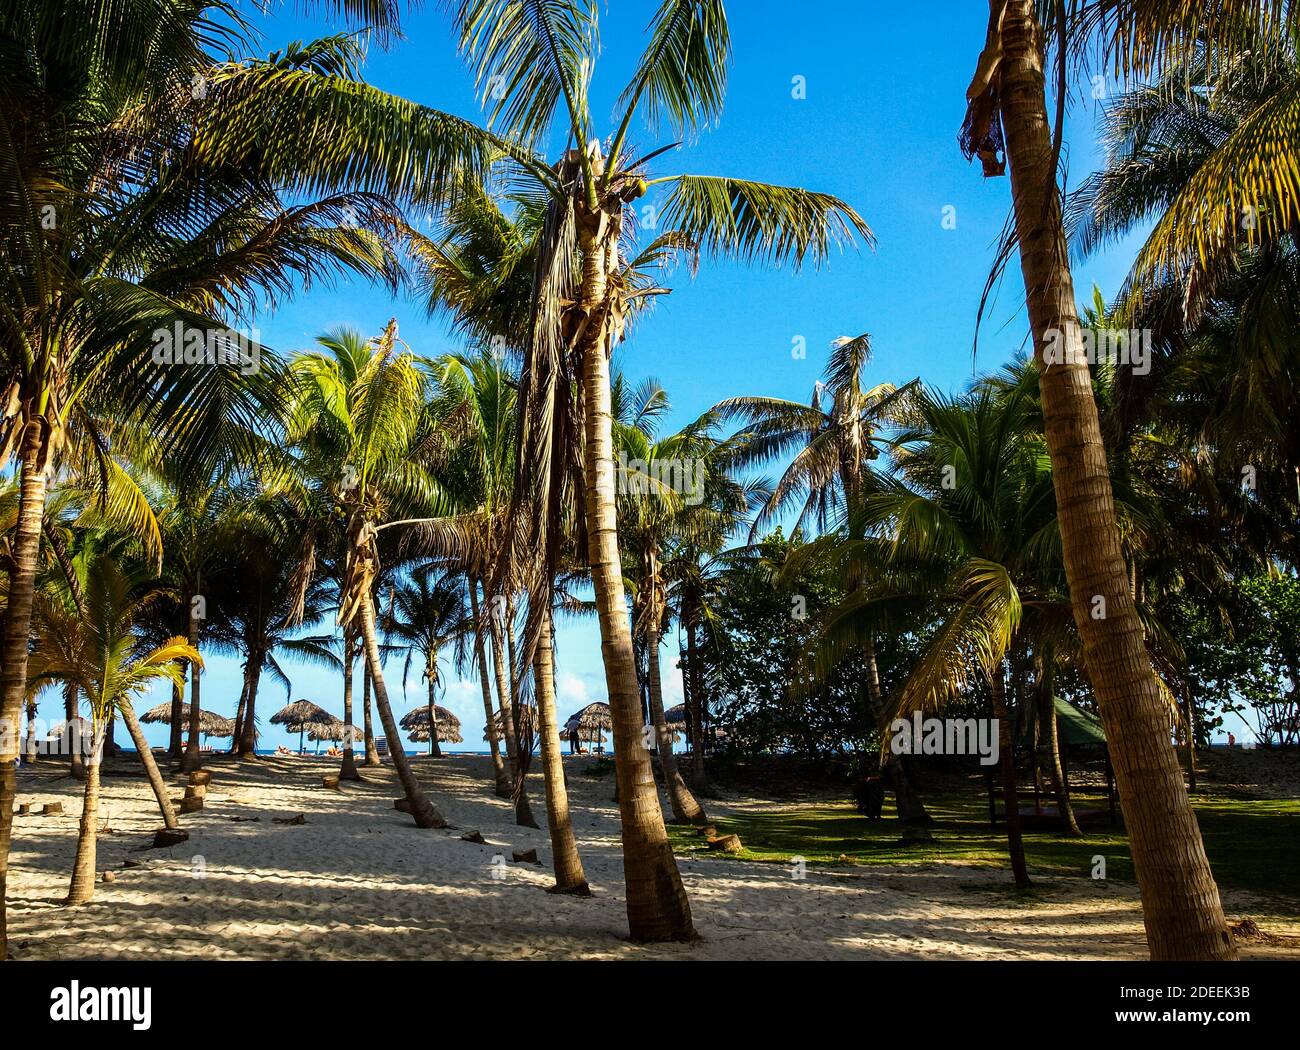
[(525, 856), (52, 809), (164, 837), (473, 836), (191, 804), (24, 808), (331, 781), (726, 844), (201, 776)]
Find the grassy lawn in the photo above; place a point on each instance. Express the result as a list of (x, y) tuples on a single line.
[(1253, 845)]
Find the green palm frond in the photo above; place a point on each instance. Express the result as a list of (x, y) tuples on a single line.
[(756, 222)]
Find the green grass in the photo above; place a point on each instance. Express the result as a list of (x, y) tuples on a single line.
[(1253, 845)]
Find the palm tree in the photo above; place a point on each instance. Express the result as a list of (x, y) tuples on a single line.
[(152, 200), (100, 653), (357, 426), (972, 535), (835, 439), (533, 60), (59, 609), (653, 508), (1007, 111), (427, 614)]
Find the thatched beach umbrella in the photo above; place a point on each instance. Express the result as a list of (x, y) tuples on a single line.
[(335, 731), (301, 716), (590, 723), (417, 721), (210, 723)]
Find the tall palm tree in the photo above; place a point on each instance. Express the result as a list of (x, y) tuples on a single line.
[(141, 192), (357, 425), (427, 614), (100, 653), (533, 60), (654, 507), (835, 438), (1007, 114)]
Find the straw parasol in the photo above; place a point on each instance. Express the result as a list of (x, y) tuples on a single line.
[(301, 716), (417, 721), (590, 724), (675, 714), (210, 723), (334, 731)]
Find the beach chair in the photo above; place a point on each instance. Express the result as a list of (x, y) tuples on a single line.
[(381, 746)]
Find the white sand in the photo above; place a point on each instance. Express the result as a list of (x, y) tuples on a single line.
[(359, 881)]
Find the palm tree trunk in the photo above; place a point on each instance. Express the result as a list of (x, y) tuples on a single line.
[(176, 740), (686, 810), (191, 760), (150, 766), (423, 812), (480, 655), (82, 887), (373, 761), (696, 699), (911, 810), (1049, 738), (248, 731), (1180, 901), (434, 749), (1007, 763), (78, 766), (239, 714), (523, 811), (25, 555), (503, 698), (1189, 727), (348, 768), (657, 906), (569, 874), (29, 742)]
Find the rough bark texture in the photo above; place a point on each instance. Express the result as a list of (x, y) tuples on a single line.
[(25, 551), (82, 887), (480, 657), (657, 907), (1180, 901), (423, 812), (150, 766), (569, 874)]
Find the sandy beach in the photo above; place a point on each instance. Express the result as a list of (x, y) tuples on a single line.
[(359, 881)]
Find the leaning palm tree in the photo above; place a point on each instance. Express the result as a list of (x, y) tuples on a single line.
[(1007, 118), (101, 654), (357, 428), (533, 60)]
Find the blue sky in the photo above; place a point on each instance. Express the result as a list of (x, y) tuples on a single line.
[(885, 97)]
